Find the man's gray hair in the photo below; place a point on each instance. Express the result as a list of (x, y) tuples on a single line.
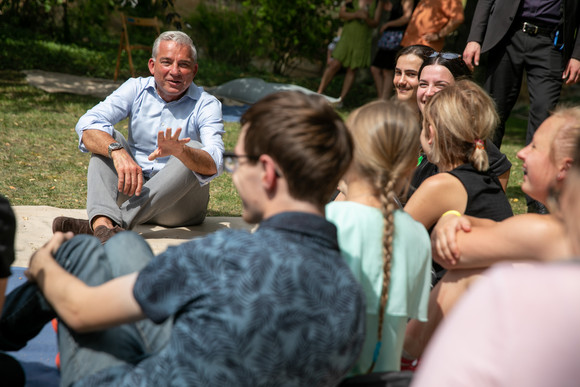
[(177, 37)]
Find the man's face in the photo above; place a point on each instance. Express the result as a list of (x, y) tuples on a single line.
[(406, 77), (247, 179), (173, 70)]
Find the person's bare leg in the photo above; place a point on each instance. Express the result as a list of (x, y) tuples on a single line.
[(348, 81), (387, 84), (379, 80), (328, 74), (441, 300), (102, 221)]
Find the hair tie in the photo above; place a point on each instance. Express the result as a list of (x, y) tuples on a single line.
[(479, 144)]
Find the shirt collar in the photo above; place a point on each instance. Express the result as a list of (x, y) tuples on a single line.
[(313, 226)]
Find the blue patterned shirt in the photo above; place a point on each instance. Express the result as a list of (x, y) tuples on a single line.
[(278, 307)]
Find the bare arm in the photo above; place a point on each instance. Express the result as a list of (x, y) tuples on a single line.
[(377, 16), (435, 196), (348, 15), (129, 172), (169, 144), (522, 237), (407, 6), (82, 307)]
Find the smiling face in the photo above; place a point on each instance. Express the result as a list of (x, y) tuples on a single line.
[(406, 76), (540, 171), (173, 70), (433, 79)]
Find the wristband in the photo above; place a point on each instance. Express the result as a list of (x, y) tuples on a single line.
[(454, 212)]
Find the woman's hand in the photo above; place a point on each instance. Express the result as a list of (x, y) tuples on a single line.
[(443, 238)]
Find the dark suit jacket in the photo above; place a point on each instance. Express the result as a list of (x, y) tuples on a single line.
[(493, 19)]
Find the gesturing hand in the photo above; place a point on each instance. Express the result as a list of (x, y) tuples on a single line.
[(169, 144)]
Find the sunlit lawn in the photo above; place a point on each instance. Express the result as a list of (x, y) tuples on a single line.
[(40, 163)]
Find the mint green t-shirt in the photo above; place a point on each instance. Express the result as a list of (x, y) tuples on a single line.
[(360, 234)]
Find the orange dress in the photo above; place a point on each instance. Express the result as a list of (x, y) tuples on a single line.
[(430, 16)]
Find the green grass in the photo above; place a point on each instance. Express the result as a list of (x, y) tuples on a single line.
[(41, 164), (40, 160)]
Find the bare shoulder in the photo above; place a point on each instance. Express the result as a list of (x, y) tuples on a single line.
[(441, 181)]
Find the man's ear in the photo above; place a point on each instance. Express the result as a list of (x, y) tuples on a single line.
[(151, 65), (270, 175)]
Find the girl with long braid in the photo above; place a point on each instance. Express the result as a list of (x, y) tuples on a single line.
[(388, 251)]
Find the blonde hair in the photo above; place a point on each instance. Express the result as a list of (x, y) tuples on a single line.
[(463, 116), (386, 146), (564, 142)]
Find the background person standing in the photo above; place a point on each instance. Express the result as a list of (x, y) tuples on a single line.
[(538, 36)]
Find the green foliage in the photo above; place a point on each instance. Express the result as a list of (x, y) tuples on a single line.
[(50, 56), (222, 33), (286, 30)]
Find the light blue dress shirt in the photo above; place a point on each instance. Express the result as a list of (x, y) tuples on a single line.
[(197, 113)]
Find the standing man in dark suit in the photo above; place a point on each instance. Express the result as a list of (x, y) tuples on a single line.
[(538, 36)]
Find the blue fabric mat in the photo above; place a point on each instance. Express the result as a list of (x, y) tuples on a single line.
[(38, 357), (233, 113)]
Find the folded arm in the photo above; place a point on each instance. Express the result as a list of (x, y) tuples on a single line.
[(519, 238)]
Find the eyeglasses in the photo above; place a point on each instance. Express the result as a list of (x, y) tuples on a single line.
[(232, 161), (445, 55)]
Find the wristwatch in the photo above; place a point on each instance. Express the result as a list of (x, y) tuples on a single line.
[(113, 147)]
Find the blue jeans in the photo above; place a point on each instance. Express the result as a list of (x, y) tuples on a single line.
[(87, 353)]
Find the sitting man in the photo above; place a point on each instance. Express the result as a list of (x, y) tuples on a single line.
[(276, 307), (161, 174)]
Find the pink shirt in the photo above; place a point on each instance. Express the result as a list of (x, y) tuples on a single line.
[(514, 327)]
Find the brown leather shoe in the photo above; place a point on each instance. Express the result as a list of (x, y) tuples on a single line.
[(66, 224), (104, 233)]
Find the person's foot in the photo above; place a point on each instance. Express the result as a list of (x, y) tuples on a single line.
[(76, 226), (104, 233), (536, 207)]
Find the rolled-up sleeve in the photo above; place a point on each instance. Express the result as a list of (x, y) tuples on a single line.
[(211, 129), (115, 108)]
